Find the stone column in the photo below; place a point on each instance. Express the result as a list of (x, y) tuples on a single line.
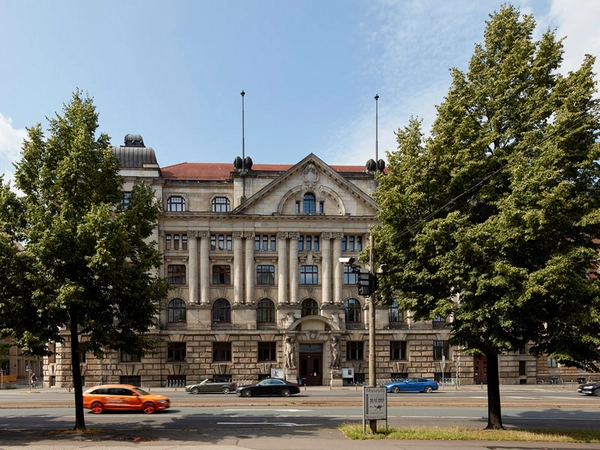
[(204, 237), (326, 265), (250, 268), (193, 266), (282, 260), (238, 268), (294, 269), (338, 268)]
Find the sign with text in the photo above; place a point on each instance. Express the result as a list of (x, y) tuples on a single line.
[(374, 403)]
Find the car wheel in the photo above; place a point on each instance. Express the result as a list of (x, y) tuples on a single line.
[(195, 390), (225, 390), (97, 408), (247, 393), (596, 392), (427, 389), (285, 392), (395, 389), (148, 408)]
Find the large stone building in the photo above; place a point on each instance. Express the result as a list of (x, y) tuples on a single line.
[(252, 252)]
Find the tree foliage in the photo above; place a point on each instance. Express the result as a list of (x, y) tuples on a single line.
[(493, 219), (87, 262)]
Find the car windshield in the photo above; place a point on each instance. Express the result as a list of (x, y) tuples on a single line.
[(141, 391)]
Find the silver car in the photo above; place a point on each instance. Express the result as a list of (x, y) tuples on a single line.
[(211, 386)]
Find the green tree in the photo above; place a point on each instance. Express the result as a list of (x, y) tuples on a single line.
[(493, 219), (87, 264)]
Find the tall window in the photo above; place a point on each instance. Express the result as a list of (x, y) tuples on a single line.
[(128, 357), (125, 201), (221, 242), (265, 242), (221, 274), (353, 310), (350, 275), (175, 241), (307, 243), (440, 348), (168, 241), (221, 311), (220, 204), (310, 205), (265, 311), (309, 275), (176, 273), (267, 351), (309, 308), (176, 310), (176, 351), (175, 203), (552, 362), (397, 350), (394, 313), (354, 350), (221, 351), (265, 274), (352, 244)]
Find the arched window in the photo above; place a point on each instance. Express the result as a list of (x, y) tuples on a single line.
[(220, 204), (176, 310), (309, 308), (175, 203), (353, 310), (221, 311), (310, 204), (265, 311)]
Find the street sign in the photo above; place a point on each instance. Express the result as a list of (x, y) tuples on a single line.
[(374, 403)]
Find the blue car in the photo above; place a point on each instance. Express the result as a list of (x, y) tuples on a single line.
[(412, 384)]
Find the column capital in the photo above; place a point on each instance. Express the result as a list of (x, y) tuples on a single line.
[(326, 235), (282, 235), (294, 235), (238, 234), (203, 234), (337, 235), (249, 234)]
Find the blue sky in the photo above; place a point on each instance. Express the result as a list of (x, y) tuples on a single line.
[(173, 71)]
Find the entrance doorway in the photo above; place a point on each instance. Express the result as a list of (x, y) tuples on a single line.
[(311, 364), (480, 369)]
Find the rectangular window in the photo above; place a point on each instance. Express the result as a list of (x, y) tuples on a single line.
[(352, 244), (440, 348), (126, 357), (321, 207), (522, 368), (267, 351), (308, 242), (221, 242), (354, 350), (309, 275), (265, 274), (221, 351), (398, 350), (273, 243), (135, 380), (176, 274), (350, 275), (301, 243), (175, 242), (266, 242), (552, 362), (167, 242), (184, 242), (175, 351), (221, 274)]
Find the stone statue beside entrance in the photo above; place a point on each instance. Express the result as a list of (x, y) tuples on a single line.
[(289, 353)]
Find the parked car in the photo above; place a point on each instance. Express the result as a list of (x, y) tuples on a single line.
[(412, 384), (123, 397), (590, 388), (268, 386), (211, 386)]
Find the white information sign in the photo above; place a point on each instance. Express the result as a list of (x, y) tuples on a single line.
[(375, 403)]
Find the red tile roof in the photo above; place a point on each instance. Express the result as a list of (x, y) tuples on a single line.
[(221, 171)]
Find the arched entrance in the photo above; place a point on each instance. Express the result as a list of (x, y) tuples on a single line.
[(311, 364)]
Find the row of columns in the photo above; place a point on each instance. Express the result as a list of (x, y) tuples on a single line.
[(288, 267)]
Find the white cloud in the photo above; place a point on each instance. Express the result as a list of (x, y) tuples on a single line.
[(578, 23), (10, 146)]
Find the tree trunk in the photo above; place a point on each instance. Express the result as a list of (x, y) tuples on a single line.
[(493, 389), (76, 371)]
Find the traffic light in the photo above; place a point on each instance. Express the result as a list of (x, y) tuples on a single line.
[(365, 284)]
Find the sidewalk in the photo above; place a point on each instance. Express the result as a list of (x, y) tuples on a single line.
[(311, 439)]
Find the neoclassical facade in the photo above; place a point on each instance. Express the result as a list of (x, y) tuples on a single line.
[(252, 252)]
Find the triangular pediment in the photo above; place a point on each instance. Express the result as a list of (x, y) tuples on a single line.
[(333, 192)]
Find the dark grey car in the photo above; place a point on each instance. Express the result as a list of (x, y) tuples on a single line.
[(211, 386)]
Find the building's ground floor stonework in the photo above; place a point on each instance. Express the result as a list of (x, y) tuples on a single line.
[(313, 350)]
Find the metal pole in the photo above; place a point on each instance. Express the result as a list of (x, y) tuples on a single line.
[(243, 151), (372, 326), (377, 129)]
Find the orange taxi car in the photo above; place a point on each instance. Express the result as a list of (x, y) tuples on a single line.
[(123, 397)]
